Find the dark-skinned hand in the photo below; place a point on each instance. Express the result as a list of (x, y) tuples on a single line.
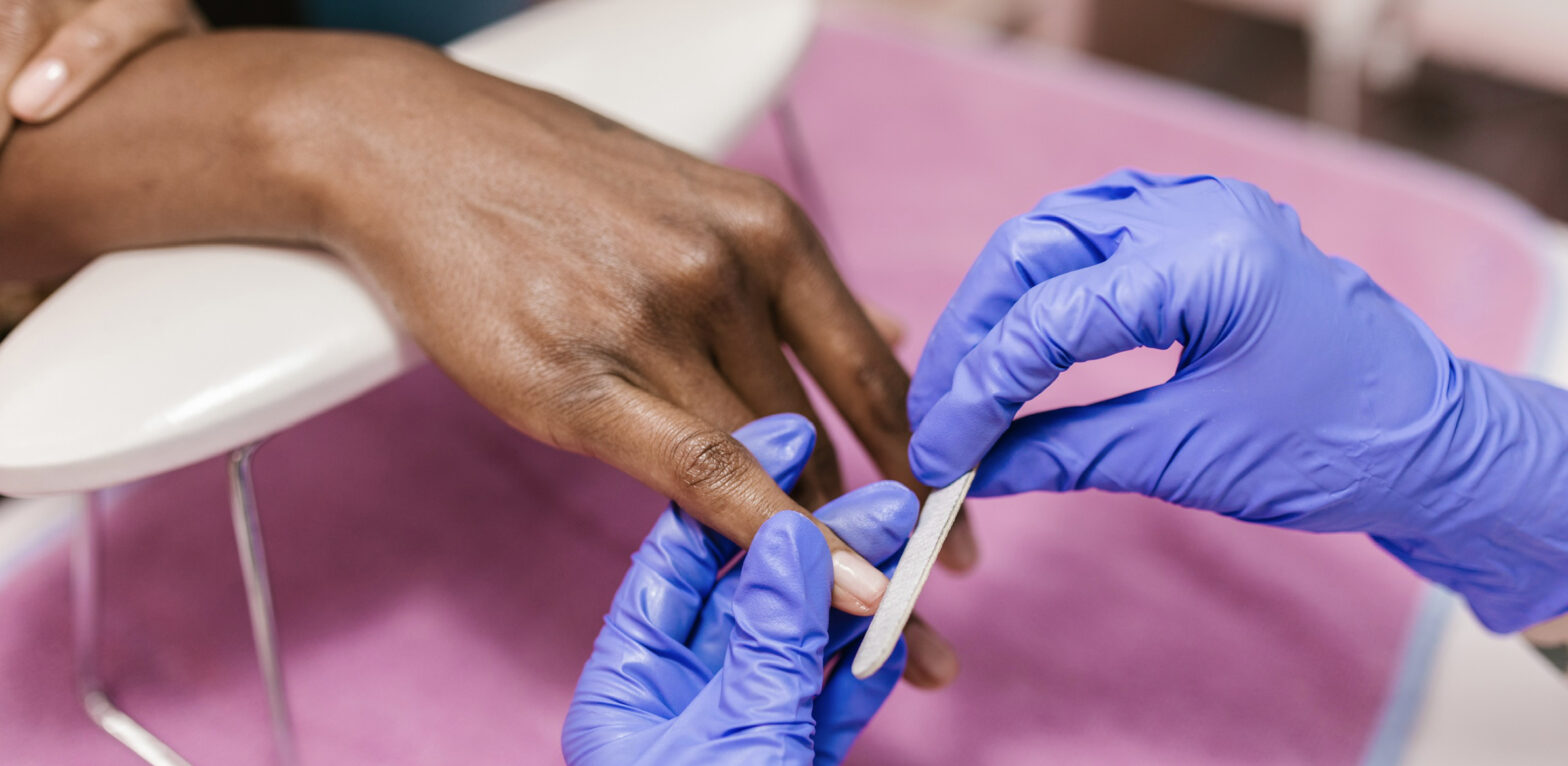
[(597, 290)]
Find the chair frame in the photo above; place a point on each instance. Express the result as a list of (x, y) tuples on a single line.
[(87, 574)]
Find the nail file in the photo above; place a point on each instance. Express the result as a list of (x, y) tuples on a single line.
[(898, 602)]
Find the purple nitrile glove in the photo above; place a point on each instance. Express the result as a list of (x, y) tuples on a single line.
[(693, 668), (1306, 397)]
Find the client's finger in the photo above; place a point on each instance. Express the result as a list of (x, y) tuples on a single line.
[(710, 474)]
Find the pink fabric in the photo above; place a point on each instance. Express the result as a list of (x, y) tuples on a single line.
[(440, 578)]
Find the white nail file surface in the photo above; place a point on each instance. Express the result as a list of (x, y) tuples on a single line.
[(936, 519)]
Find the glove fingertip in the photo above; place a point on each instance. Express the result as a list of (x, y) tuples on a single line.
[(875, 519), (782, 443), (788, 555), (929, 461)]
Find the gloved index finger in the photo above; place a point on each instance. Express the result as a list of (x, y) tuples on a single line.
[(1066, 231), (1086, 314), (1024, 252)]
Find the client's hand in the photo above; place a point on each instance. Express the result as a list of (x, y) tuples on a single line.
[(697, 668), (53, 51), (598, 290)]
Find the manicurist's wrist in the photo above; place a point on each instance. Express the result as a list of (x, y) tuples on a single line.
[(1514, 464)]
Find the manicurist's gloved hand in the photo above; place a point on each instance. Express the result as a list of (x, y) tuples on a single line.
[(694, 668), (1306, 397)]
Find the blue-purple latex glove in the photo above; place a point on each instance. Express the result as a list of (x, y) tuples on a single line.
[(693, 668), (1305, 397)]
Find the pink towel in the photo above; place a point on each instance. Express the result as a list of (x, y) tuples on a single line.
[(440, 578)]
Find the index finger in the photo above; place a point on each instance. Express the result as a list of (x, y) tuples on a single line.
[(829, 331), (1066, 231), (711, 475), (1082, 315), (1024, 252)]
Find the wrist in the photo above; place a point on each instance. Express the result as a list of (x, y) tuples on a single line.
[(1495, 518), (325, 129), (222, 131)]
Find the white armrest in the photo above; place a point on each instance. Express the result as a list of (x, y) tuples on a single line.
[(690, 73), (147, 361)]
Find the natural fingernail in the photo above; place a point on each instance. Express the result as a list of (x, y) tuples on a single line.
[(37, 86), (858, 578)]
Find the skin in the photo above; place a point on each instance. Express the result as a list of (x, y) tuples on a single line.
[(597, 290), (53, 52)]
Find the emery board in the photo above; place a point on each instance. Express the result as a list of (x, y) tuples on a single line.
[(898, 602)]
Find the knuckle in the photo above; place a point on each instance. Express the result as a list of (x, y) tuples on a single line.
[(703, 264), (768, 216), (573, 375), (771, 207), (565, 390), (701, 278), (1239, 226), (93, 38), (707, 460), (884, 390), (580, 413)]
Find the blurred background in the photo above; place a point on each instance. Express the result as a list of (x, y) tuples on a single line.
[(1482, 86)]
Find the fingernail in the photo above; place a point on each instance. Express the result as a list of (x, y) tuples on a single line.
[(858, 578), (37, 87)]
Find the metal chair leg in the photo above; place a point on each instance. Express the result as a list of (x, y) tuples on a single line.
[(86, 609), (86, 605), (258, 593)]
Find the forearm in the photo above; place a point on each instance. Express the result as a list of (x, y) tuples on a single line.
[(196, 139)]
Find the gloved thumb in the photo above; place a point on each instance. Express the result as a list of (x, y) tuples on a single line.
[(773, 669)]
